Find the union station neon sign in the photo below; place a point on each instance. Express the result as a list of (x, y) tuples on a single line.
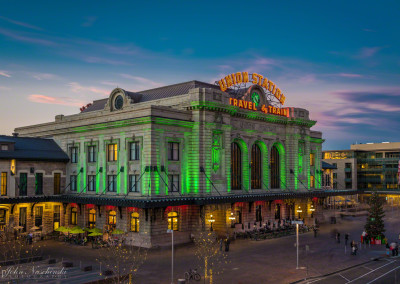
[(243, 77)]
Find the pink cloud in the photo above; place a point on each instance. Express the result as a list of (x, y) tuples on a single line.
[(5, 73), (42, 99), (22, 24), (142, 80), (78, 88), (366, 52), (18, 37), (349, 75)]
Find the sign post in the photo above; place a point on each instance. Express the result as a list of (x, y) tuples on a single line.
[(297, 241)]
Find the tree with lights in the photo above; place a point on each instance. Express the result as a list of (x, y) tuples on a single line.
[(375, 226), (207, 249), (121, 262)]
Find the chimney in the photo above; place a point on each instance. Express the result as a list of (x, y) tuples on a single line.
[(15, 134)]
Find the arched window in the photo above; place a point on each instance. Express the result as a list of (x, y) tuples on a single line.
[(236, 166), (74, 216), (255, 167), (3, 214), (275, 173), (134, 222), (112, 220), (92, 218), (173, 221)]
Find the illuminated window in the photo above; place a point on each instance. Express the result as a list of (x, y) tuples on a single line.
[(74, 216), (73, 183), (255, 167), (312, 181), (38, 216), (134, 222), (91, 154), (3, 215), (173, 185), (3, 184), (91, 183), (4, 147), (173, 221), (112, 152), (173, 151), (39, 183), (112, 220), (112, 183), (134, 151), (312, 159), (236, 167), (23, 184), (92, 218), (57, 183), (134, 183), (74, 154), (22, 218)]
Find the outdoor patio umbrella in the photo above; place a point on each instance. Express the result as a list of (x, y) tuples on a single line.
[(117, 232), (61, 229), (18, 227), (95, 230), (77, 231), (94, 234), (34, 228)]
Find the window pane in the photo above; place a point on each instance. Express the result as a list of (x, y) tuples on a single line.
[(3, 184), (23, 182)]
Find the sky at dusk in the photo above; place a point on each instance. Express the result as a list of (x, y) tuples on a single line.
[(338, 59)]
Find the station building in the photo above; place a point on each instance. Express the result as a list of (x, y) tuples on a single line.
[(188, 157)]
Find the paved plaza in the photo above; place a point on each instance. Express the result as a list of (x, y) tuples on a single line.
[(264, 261)]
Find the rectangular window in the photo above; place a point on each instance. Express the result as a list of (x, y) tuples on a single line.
[(334, 175), (4, 147), (348, 175), (57, 183), (348, 185), (3, 184), (74, 155), (347, 165), (312, 159), (39, 183), (91, 183), (173, 151), (173, 185), (91, 154), (112, 183), (3, 214), (112, 152), (23, 184), (73, 184), (134, 184), (38, 216), (134, 151), (335, 185), (312, 181)]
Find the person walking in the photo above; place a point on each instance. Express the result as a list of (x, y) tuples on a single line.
[(315, 231), (393, 248), (346, 239), (338, 238)]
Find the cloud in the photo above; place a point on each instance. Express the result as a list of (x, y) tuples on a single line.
[(94, 59), (89, 21), (22, 24), (367, 52), (78, 88), (42, 99), (108, 83), (44, 76), (5, 73), (349, 75), (147, 82), (25, 38)]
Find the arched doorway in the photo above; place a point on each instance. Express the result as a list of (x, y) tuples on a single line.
[(274, 171)]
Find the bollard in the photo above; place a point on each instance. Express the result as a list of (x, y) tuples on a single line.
[(181, 281)]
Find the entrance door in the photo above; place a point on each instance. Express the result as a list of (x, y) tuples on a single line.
[(22, 218), (56, 217)]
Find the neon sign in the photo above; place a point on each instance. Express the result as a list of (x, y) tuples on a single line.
[(253, 106), (243, 77)]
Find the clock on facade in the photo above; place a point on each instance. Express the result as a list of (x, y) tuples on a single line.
[(119, 102)]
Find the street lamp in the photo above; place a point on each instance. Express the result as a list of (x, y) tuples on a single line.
[(297, 241), (169, 231), (211, 220)]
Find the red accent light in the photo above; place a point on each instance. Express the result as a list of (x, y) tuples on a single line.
[(73, 205), (278, 201), (315, 199), (89, 206), (110, 207), (259, 203)]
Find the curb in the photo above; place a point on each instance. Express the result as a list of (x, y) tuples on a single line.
[(338, 271)]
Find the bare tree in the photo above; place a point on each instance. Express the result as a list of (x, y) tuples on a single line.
[(208, 250), (17, 255), (120, 262)]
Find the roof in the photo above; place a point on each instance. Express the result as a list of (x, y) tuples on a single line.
[(156, 94), (326, 165), (33, 149)]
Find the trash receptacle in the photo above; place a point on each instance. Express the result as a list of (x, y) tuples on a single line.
[(181, 281)]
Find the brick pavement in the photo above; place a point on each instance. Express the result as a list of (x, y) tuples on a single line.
[(265, 261)]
